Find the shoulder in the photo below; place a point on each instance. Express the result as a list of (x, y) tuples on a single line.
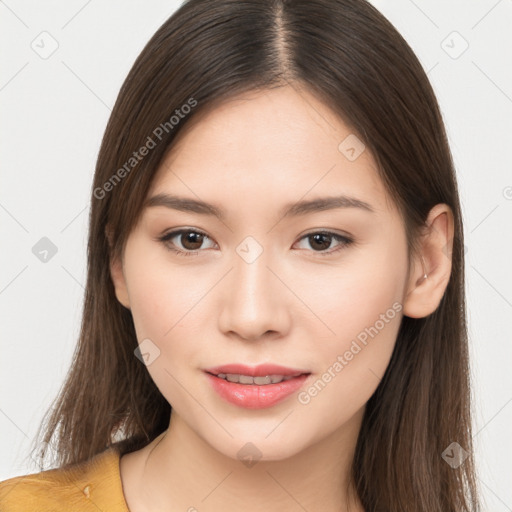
[(91, 485)]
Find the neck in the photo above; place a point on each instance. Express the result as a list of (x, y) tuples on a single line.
[(180, 471)]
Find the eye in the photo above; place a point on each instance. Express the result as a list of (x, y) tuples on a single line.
[(322, 240), (189, 243), (192, 242)]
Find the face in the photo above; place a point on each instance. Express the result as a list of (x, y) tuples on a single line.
[(318, 291)]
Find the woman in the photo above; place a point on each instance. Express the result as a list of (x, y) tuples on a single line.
[(274, 313)]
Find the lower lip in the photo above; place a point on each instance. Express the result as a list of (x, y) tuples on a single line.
[(254, 396)]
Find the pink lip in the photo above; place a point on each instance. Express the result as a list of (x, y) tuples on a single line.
[(252, 396), (255, 371)]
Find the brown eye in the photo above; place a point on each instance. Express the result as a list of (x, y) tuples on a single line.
[(184, 241), (320, 242), (188, 242), (191, 240)]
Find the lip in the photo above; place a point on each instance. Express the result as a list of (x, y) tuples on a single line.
[(260, 370), (253, 396)]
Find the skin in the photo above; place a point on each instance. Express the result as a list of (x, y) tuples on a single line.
[(291, 306)]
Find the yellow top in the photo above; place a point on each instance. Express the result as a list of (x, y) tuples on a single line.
[(93, 485)]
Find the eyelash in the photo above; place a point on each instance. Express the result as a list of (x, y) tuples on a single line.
[(168, 236)]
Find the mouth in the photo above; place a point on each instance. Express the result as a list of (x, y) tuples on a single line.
[(259, 381), (255, 387)]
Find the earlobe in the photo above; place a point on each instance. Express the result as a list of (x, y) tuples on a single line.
[(431, 268), (116, 273)]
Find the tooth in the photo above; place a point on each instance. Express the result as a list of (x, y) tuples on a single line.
[(247, 379), (262, 380)]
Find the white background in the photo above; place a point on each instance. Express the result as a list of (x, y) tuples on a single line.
[(54, 112)]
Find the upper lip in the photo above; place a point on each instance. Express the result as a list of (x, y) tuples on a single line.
[(260, 370)]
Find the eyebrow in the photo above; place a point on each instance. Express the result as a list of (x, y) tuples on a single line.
[(302, 207)]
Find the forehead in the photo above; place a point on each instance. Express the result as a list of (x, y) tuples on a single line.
[(279, 144)]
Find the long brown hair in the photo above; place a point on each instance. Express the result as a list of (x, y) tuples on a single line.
[(350, 57)]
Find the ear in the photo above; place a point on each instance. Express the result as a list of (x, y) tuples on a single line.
[(423, 294), (116, 272)]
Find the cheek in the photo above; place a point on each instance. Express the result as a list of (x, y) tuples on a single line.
[(363, 308), (351, 373), (164, 300), (352, 296)]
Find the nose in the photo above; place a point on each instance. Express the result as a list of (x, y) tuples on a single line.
[(254, 302)]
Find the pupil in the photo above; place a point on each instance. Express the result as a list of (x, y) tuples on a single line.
[(193, 239), (325, 245)]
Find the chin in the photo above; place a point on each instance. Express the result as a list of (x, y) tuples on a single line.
[(260, 447)]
